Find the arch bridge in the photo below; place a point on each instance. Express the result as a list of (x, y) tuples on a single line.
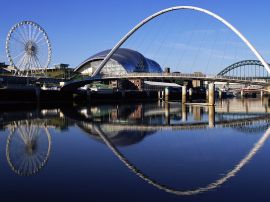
[(161, 76), (246, 69)]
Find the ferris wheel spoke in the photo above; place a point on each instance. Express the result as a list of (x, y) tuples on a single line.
[(29, 63), (37, 60), (24, 33), (20, 61), (42, 43), (21, 34), (36, 37), (22, 52), (33, 64), (18, 40), (33, 33), (40, 40), (31, 131), (22, 135), (26, 63), (29, 32)]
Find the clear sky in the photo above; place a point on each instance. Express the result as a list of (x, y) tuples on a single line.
[(78, 29)]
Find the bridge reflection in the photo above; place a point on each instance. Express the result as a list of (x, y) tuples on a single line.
[(237, 168), (28, 144)]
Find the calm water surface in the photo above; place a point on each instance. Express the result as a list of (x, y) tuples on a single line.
[(137, 152)]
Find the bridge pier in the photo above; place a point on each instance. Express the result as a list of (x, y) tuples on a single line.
[(190, 92), (211, 94), (211, 116), (184, 94), (220, 94)]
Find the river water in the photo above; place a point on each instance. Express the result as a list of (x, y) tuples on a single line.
[(137, 152)]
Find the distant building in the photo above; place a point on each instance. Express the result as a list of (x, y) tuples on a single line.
[(60, 71), (122, 62), (6, 69), (61, 66)]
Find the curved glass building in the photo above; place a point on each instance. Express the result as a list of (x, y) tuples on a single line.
[(122, 62)]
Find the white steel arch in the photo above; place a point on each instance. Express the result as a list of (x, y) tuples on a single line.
[(231, 27)]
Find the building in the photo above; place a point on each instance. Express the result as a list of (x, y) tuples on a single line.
[(122, 62), (6, 69)]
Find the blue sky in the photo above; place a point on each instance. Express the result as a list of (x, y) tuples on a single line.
[(78, 29)]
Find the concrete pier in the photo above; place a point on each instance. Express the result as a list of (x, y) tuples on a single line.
[(220, 94), (211, 94), (190, 92), (184, 94)]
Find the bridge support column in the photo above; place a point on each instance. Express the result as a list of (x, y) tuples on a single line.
[(211, 94), (167, 94), (220, 94), (184, 94), (190, 92), (211, 116)]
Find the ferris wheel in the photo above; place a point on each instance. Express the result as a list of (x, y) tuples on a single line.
[(28, 48)]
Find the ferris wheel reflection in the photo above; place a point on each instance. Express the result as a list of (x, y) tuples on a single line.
[(28, 147)]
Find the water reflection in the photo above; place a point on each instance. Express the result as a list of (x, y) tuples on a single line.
[(195, 191), (28, 145)]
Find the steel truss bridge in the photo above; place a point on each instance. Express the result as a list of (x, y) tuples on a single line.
[(246, 69)]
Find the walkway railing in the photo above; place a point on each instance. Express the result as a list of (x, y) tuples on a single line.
[(183, 75)]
